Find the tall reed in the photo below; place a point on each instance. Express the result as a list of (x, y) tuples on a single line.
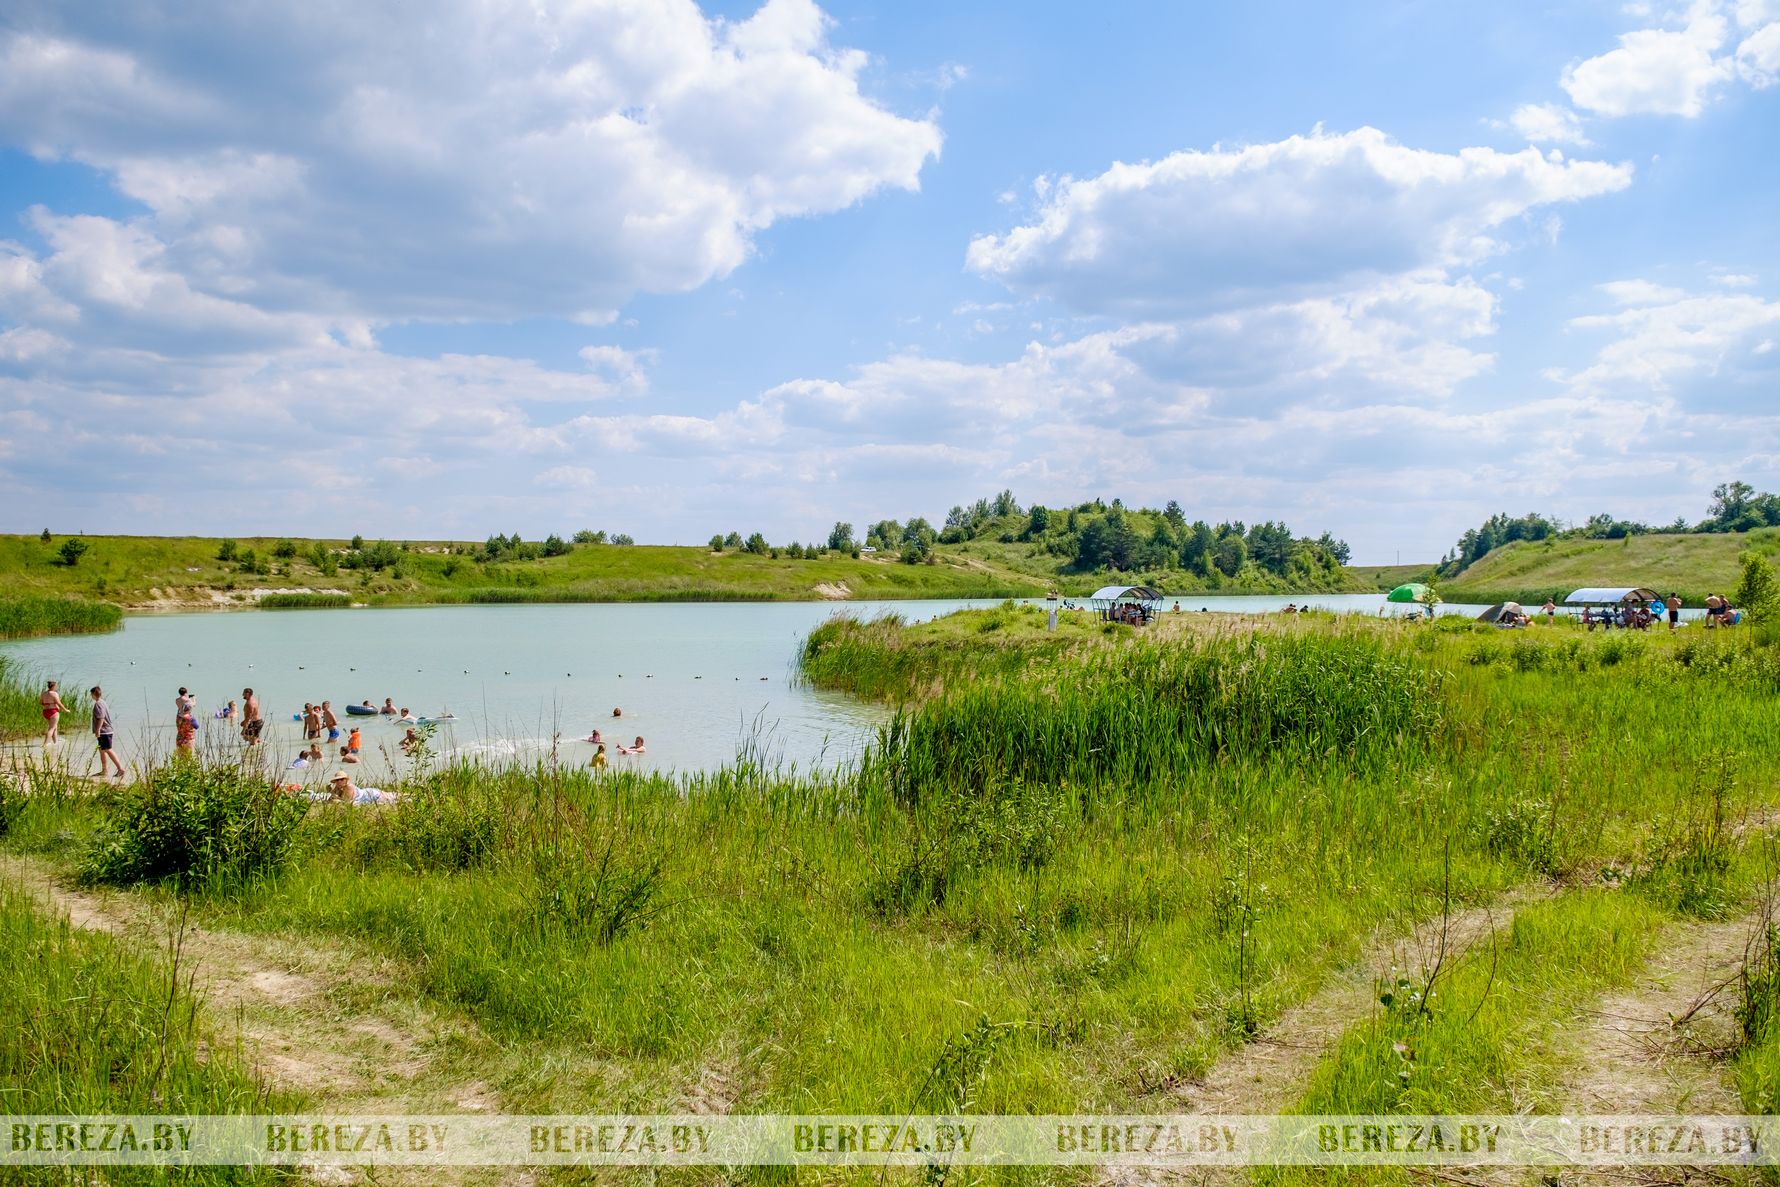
[(24, 616)]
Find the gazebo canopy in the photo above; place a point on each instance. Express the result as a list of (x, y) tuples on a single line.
[(1125, 593), (1610, 595)]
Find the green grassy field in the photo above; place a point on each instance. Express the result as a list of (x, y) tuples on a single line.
[(183, 572), (1388, 577), (1079, 872), (1695, 565)]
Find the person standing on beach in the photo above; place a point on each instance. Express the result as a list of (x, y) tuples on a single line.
[(251, 721), (51, 702), (102, 733), (1674, 607), (185, 728)]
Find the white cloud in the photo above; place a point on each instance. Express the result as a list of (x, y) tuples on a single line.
[(1307, 215), (1714, 349), (567, 478), (1758, 57), (1640, 292), (1548, 123), (515, 160), (1663, 71), (1736, 280), (1655, 71)]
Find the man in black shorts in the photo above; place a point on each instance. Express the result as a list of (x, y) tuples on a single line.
[(102, 730), (252, 722)]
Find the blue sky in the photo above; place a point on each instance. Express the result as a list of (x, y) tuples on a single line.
[(1380, 270)]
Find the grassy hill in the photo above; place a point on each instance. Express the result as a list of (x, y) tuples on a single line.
[(1388, 577), (1694, 565), (155, 572)]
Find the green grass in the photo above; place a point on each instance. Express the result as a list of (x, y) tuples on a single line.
[(305, 601), (888, 659), (1694, 565), (21, 715), (1091, 866), (1385, 578), (23, 617), (89, 1024), (173, 572)]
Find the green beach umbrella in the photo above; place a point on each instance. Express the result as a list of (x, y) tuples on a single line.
[(1415, 591)]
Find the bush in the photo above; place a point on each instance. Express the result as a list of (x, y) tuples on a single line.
[(454, 824), (197, 827), (72, 550)]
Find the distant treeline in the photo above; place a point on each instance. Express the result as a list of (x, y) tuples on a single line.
[(23, 617), (1736, 507), (1095, 536)]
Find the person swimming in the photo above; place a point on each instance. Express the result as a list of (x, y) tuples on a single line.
[(595, 738), (389, 706), (634, 749)]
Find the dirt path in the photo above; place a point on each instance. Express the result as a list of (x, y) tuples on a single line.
[(1268, 1075), (328, 1023), (1659, 1045)]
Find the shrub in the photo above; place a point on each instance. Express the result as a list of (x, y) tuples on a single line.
[(72, 550), (197, 827), (1756, 591), (450, 825), (600, 898)]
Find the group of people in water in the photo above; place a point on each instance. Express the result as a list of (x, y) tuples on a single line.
[(598, 761), (319, 723)]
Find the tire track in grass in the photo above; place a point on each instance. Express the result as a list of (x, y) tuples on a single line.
[(327, 1023), (1267, 1075), (1662, 1045)]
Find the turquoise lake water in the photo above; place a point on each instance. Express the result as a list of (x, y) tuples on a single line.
[(697, 680)]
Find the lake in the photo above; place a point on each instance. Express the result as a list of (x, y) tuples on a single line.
[(699, 680)]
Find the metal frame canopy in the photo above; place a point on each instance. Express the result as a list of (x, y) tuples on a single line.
[(1606, 595), (1124, 593), (1133, 604)]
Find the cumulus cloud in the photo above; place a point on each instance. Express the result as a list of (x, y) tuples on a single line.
[(1302, 216), (1718, 350), (1654, 71), (1663, 71), (1548, 123), (1758, 57), (516, 160)]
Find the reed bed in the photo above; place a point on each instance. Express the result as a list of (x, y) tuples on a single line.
[(304, 601), (23, 617)]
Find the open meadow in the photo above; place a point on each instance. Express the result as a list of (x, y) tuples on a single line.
[(1236, 865)]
